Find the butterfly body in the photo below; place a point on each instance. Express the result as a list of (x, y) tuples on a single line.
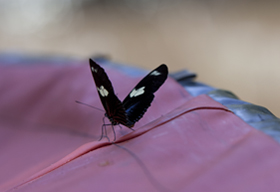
[(137, 101)]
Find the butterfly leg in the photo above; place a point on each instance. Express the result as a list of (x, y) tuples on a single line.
[(104, 131), (114, 132), (106, 135), (102, 135), (120, 126)]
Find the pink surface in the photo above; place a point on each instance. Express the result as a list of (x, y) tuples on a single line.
[(49, 143)]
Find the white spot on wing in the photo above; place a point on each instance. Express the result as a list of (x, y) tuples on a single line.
[(155, 73), (93, 70), (103, 92), (137, 92)]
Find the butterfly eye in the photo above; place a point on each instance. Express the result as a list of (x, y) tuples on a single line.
[(155, 73), (137, 92), (103, 91)]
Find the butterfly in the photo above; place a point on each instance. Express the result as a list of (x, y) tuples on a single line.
[(136, 102)]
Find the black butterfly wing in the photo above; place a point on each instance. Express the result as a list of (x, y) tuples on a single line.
[(111, 103), (139, 99)]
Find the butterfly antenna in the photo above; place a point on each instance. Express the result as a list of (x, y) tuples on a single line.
[(89, 105)]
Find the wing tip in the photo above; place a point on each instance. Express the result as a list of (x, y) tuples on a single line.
[(163, 67)]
